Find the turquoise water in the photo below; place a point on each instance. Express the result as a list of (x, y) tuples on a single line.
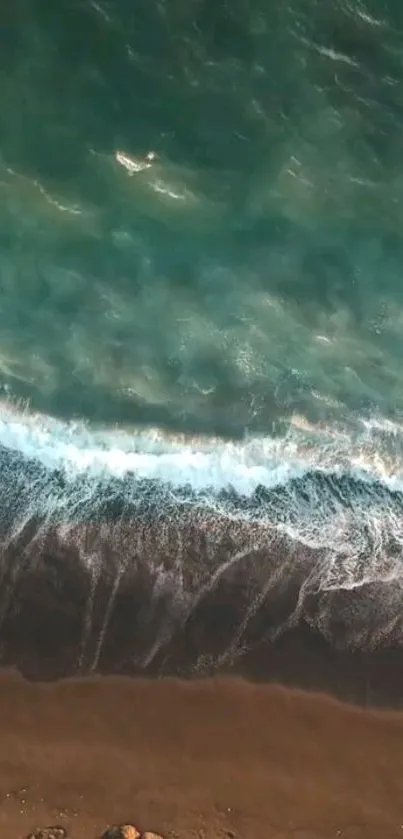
[(253, 271)]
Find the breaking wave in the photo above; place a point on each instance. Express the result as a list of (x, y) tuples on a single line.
[(130, 550)]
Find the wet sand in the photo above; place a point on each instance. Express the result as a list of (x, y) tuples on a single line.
[(214, 759)]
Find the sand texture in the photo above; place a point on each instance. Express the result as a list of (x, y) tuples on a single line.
[(219, 759)]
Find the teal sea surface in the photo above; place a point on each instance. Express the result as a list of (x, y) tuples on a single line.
[(201, 212)]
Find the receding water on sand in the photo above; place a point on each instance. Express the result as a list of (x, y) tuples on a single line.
[(145, 552)]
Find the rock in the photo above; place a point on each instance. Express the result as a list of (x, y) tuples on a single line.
[(54, 832), (122, 831)]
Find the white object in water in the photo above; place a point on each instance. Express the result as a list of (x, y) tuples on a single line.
[(135, 164)]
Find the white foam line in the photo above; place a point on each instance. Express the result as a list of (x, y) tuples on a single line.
[(226, 465), (209, 464)]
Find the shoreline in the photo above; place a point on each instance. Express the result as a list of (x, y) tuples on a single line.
[(127, 576), (216, 758), (34, 644)]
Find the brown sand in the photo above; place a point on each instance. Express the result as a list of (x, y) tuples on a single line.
[(203, 760)]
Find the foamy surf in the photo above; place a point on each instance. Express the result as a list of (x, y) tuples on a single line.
[(169, 534), (373, 450)]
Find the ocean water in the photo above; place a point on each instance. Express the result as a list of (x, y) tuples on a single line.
[(201, 306), (253, 271)]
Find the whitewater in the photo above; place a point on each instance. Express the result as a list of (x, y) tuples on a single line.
[(121, 547)]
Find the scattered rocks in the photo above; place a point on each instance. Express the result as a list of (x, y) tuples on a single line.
[(48, 833), (119, 831)]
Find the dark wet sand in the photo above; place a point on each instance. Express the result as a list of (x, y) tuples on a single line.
[(219, 758)]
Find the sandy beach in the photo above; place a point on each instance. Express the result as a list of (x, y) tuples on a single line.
[(214, 759)]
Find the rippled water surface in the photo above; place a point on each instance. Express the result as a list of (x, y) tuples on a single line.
[(245, 272)]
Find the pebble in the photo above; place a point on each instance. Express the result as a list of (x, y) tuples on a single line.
[(122, 831), (48, 833)]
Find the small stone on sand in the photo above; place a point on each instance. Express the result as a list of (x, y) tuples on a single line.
[(48, 833), (122, 831)]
